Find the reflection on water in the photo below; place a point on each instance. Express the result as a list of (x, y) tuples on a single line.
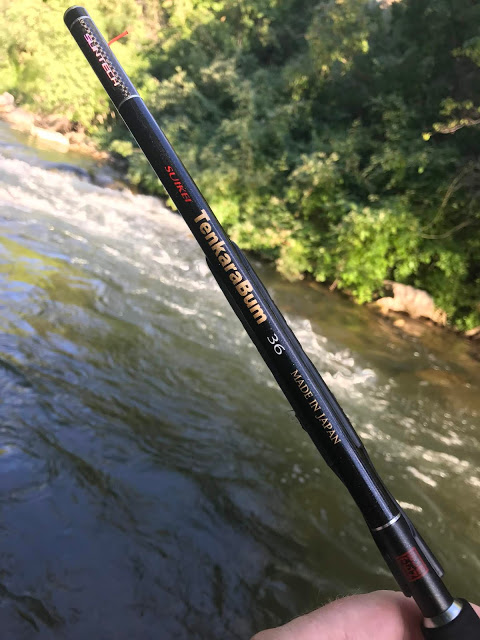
[(154, 483)]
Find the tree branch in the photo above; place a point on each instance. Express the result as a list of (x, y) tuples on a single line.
[(455, 127)]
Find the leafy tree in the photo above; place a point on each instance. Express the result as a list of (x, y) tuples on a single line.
[(338, 138)]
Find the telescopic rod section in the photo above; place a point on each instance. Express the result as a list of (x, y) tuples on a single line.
[(410, 560)]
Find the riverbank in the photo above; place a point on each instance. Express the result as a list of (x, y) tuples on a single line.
[(58, 131), (61, 136), (406, 306)]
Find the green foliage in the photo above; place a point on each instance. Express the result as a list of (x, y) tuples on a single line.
[(338, 138), (40, 65), (339, 32)]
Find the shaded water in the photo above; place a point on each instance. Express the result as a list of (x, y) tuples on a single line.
[(153, 483)]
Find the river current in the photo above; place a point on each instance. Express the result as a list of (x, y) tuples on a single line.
[(153, 481)]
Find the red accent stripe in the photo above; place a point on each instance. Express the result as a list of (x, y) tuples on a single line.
[(125, 33)]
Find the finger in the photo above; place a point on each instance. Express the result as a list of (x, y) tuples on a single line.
[(379, 615)]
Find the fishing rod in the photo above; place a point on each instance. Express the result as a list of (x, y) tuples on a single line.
[(411, 562)]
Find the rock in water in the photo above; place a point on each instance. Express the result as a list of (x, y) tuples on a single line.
[(473, 333), (7, 102), (52, 137), (416, 302), (68, 168)]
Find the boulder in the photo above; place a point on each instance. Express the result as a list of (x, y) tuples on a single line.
[(7, 102), (68, 168), (76, 137), (18, 119), (107, 176), (55, 123), (415, 302), (473, 333), (52, 137)]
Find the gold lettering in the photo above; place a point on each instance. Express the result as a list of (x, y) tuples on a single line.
[(258, 314), (236, 277), (244, 287), (212, 238), (224, 259), (218, 248), (204, 216)]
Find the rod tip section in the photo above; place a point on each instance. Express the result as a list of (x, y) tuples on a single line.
[(73, 14)]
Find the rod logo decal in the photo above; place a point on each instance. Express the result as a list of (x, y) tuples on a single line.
[(176, 181), (412, 565), (243, 287), (98, 51)]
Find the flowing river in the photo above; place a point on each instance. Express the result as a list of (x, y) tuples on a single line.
[(153, 482)]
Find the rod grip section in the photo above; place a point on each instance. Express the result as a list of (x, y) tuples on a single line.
[(466, 626), (101, 58)]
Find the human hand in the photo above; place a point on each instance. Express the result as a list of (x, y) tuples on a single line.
[(382, 615)]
